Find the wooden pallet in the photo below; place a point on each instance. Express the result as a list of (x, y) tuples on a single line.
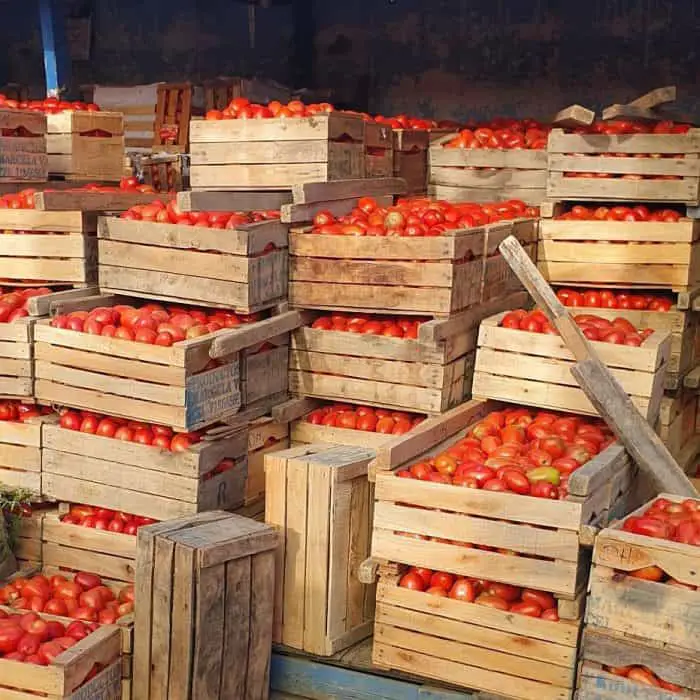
[(208, 580), (320, 498), (141, 479), (632, 164), (166, 385), (601, 647), (265, 436), (430, 374), (379, 150), (276, 153), (665, 616), (425, 276), (171, 131), (550, 537), (486, 174), (411, 158), (58, 247), (64, 677), (76, 153), (534, 368), (195, 265), (472, 646), (23, 151)]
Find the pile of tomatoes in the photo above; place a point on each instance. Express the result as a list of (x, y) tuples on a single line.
[(243, 108), (49, 105), (417, 217), (105, 519), (609, 299), (644, 676), (620, 213), (371, 420), (82, 597), (619, 331), (668, 520), (152, 323), (517, 450), (17, 411), (368, 324), (503, 134), (626, 126), (14, 302), (403, 121), (501, 596), (170, 213)]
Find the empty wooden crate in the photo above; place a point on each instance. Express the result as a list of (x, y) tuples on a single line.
[(319, 498), (203, 627), (535, 369), (86, 145), (22, 146), (276, 153), (243, 269)]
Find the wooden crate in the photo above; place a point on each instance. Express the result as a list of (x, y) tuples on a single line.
[(23, 146), (320, 499), (303, 433), (86, 145), (92, 200), (108, 554), (427, 276), (600, 647), (219, 92), (637, 253), (20, 454), (265, 436), (195, 265), (173, 115), (64, 677), (27, 548), (473, 646), (676, 423), (141, 479), (276, 153), (535, 369), (164, 172), (166, 385), (665, 616), (481, 174), (205, 591), (379, 150), (550, 537), (53, 247), (411, 158), (498, 278), (430, 374), (644, 167)]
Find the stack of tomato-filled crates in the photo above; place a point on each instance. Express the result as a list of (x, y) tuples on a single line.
[(623, 240), (389, 330)]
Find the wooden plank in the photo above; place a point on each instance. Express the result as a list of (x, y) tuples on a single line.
[(655, 98), (600, 386), (574, 117), (261, 611), (309, 193), (232, 201)]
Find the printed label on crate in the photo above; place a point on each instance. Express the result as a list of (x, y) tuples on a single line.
[(107, 685), (213, 394), (30, 166), (22, 144)]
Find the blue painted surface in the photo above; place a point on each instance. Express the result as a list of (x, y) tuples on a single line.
[(54, 47), (307, 678)]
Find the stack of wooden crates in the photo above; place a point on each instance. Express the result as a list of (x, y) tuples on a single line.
[(645, 257)]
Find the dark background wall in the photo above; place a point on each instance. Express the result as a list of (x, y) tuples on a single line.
[(445, 58)]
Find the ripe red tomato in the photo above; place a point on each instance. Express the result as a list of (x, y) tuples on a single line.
[(411, 581)]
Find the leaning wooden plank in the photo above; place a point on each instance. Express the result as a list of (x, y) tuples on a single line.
[(654, 98), (599, 385)]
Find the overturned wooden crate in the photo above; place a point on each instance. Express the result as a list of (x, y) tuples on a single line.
[(142, 479), (629, 167), (473, 646), (424, 524), (535, 369), (429, 374), (485, 174), (22, 146), (51, 247), (203, 623), (172, 386), (637, 253), (86, 145), (276, 153), (320, 499), (243, 269)]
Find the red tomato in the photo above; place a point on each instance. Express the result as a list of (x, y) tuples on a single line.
[(413, 582)]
